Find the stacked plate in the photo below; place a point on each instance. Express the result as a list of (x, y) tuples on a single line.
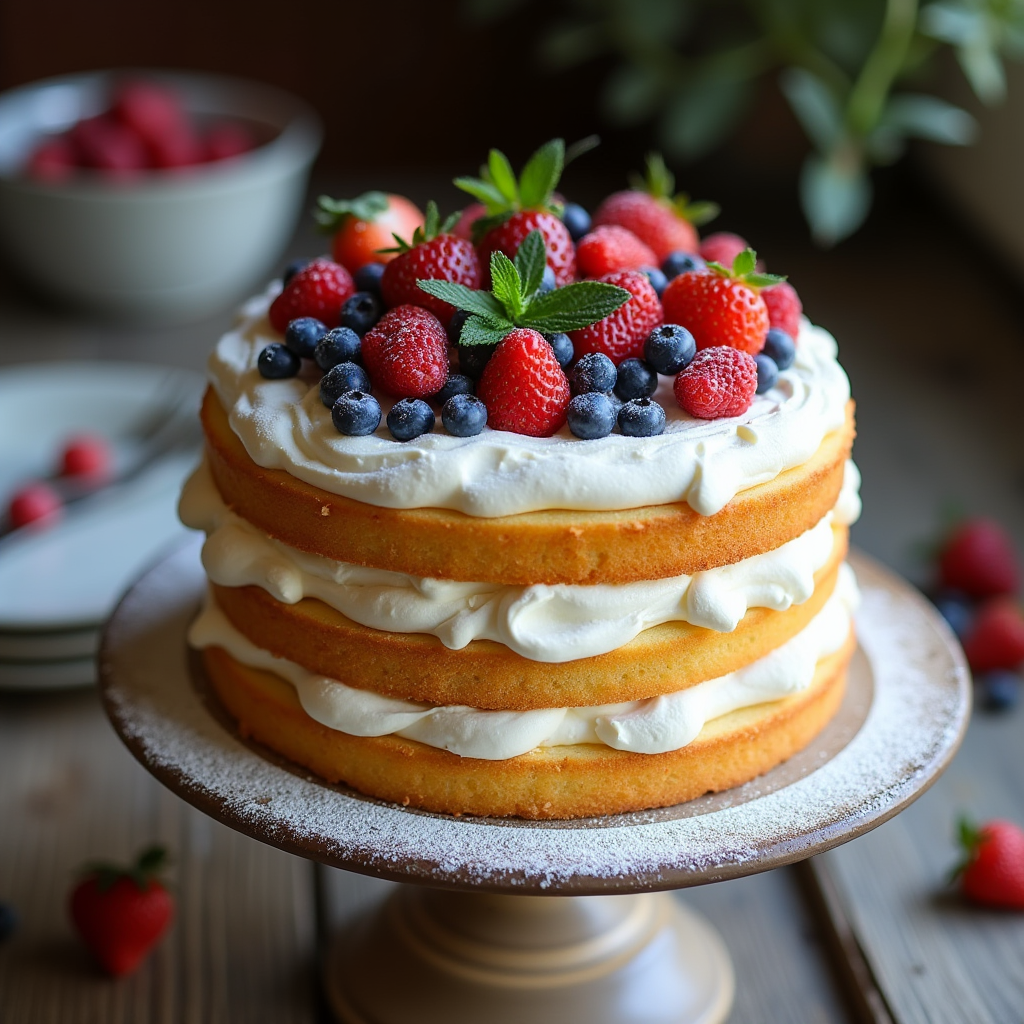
[(59, 583)]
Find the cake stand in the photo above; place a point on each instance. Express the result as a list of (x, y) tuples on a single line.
[(511, 921)]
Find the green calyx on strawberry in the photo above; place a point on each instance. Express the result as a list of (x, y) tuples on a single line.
[(432, 227), (515, 299), (330, 212), (659, 182), (992, 871), (744, 270), (146, 869)]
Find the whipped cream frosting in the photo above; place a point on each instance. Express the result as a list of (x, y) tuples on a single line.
[(651, 726), (283, 425), (541, 622)]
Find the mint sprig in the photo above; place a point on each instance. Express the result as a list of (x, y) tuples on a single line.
[(515, 300), (744, 269), (330, 212)]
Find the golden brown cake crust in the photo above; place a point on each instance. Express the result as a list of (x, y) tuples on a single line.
[(550, 782), (551, 547), (485, 674)]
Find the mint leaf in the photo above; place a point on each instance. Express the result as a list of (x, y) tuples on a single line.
[(764, 280), (502, 176), (541, 174), (505, 284), (476, 331), (484, 191), (481, 303), (530, 262), (744, 263), (573, 307)]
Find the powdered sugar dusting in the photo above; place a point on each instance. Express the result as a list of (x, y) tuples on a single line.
[(914, 724)]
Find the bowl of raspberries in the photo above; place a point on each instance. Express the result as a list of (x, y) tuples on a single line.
[(155, 195)]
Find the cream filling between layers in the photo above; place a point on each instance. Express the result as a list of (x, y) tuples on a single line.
[(543, 623), (651, 726), (283, 425)]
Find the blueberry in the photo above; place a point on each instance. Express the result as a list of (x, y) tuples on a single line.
[(276, 362), (636, 379), (564, 351), (340, 379), (456, 384), (1000, 690), (302, 335), (454, 328), (767, 373), (676, 263), (592, 372), (368, 276), (361, 311), (473, 359), (464, 415), (657, 278), (780, 346), (338, 345), (547, 282), (641, 417), (576, 219), (591, 415), (356, 413), (669, 348), (8, 921), (956, 608), (410, 417), (292, 269)]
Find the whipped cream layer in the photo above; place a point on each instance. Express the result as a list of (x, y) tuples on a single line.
[(543, 623), (651, 726), (283, 425)]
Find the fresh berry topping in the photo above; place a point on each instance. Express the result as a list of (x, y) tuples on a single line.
[(292, 269), (276, 362), (86, 455), (979, 559), (720, 381), (469, 216), (547, 281), (319, 290), (563, 348), (464, 415), (958, 611), (669, 349), (784, 307), (365, 227), (301, 336), (409, 418), (779, 345), (361, 311), (454, 328), (722, 247), (576, 220), (456, 384), (53, 161), (523, 386), (356, 413), (559, 249), (367, 277), (636, 379), (153, 111), (996, 640), (611, 247), (122, 913), (659, 282), (406, 354), (592, 372), (622, 334), (993, 871), (341, 378), (35, 503), (338, 345), (591, 415), (676, 263), (767, 373), (473, 359), (999, 690), (641, 417), (107, 145)]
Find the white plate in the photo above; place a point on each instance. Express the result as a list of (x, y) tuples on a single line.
[(80, 643), (56, 675), (69, 576)]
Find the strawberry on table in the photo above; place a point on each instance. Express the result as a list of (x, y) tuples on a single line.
[(610, 247), (121, 913), (318, 290), (993, 869), (622, 334), (996, 637), (978, 558), (406, 354), (366, 226)]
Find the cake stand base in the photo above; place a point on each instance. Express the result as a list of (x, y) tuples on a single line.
[(428, 956)]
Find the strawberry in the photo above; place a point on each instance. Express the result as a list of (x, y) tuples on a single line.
[(470, 215), (996, 638), (609, 248), (34, 503), (721, 307), (622, 334), (517, 206), (365, 228), (523, 386), (121, 913), (434, 255), (978, 558), (719, 381), (722, 247), (993, 869), (784, 307), (663, 222), (318, 290), (86, 455), (406, 354)]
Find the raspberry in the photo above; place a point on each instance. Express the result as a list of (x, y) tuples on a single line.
[(54, 160), (784, 307), (318, 290), (85, 455), (609, 248), (35, 503), (996, 639), (523, 386), (444, 258), (651, 219), (722, 247), (507, 237), (226, 139), (978, 558), (717, 310), (719, 382), (622, 334), (406, 354)]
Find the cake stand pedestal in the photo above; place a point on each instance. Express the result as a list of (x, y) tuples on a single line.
[(512, 921)]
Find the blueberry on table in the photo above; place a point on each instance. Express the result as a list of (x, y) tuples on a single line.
[(339, 345), (456, 384), (564, 351), (356, 413), (341, 378), (780, 347), (669, 348), (276, 362), (641, 417), (592, 372), (767, 373), (636, 379), (676, 263), (591, 415), (409, 418), (367, 277), (659, 282), (361, 311), (301, 335), (464, 415)]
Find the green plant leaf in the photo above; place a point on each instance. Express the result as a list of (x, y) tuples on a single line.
[(506, 285), (502, 176), (984, 70), (631, 93), (817, 110), (481, 303), (835, 196), (530, 262), (573, 307), (483, 191), (477, 331), (744, 263), (541, 174), (703, 112), (928, 117), (572, 43)]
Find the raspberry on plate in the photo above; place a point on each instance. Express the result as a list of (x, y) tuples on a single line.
[(406, 354), (978, 558), (622, 334), (318, 290), (719, 382), (609, 248)]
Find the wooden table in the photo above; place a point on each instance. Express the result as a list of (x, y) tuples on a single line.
[(935, 349)]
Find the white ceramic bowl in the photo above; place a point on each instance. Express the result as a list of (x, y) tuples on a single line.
[(171, 245)]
